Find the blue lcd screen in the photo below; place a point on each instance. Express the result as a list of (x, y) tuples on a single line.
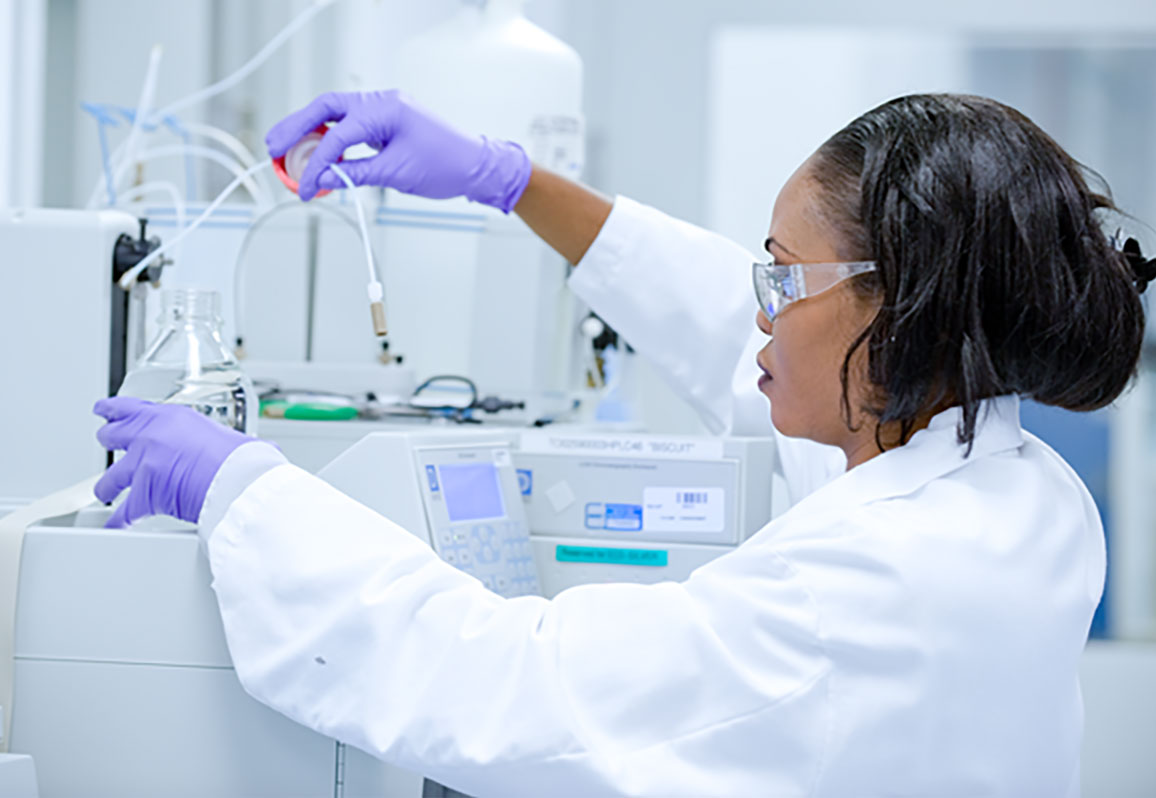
[(471, 491)]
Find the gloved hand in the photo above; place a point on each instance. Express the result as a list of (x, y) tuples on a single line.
[(172, 454), (418, 153)]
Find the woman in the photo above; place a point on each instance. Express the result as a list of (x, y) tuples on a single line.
[(913, 626)]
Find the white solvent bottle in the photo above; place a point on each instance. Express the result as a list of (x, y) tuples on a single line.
[(505, 318), (490, 70)]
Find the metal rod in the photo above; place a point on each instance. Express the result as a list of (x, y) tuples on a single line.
[(312, 240), (339, 772)]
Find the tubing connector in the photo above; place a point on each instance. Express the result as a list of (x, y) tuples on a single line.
[(377, 309)]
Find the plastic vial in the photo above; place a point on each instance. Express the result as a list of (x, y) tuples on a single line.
[(290, 166), (299, 154), (189, 364)]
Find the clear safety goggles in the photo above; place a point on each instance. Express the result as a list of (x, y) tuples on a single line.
[(778, 286)]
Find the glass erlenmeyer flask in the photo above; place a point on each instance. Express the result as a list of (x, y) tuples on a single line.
[(189, 364)]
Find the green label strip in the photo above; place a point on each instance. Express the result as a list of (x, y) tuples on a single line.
[(604, 556)]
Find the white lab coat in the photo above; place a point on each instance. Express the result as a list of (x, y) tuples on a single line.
[(913, 627)]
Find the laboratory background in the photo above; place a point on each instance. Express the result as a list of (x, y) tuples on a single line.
[(123, 121)]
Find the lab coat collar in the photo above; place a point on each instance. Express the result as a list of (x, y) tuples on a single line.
[(930, 454)]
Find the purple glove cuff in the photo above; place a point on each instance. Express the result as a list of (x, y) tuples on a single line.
[(172, 454), (501, 176), (199, 476)]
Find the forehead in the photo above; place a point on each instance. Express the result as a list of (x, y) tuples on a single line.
[(797, 224)]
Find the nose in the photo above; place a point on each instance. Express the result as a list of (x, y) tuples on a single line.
[(763, 323)]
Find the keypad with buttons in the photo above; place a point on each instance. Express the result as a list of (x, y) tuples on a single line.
[(494, 544), (496, 552)]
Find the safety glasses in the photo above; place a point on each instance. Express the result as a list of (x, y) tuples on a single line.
[(778, 286)]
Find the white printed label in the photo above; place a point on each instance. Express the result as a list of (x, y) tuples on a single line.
[(561, 496), (683, 509), (501, 457), (643, 447), (557, 142)]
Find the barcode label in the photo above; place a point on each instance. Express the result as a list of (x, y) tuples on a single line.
[(690, 510)]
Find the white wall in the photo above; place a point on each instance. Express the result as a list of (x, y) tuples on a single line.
[(22, 31), (647, 63), (767, 115), (7, 73), (648, 68), (1119, 720), (650, 94)]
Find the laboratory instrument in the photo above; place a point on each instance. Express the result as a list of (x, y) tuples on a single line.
[(488, 70), (491, 501), (59, 303), (624, 507), (456, 490), (124, 687), (598, 507), (18, 776)]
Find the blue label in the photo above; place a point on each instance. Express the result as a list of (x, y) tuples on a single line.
[(525, 481), (624, 517), (432, 473), (607, 556), (615, 517)]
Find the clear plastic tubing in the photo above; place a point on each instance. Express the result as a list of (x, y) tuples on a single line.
[(225, 139), (259, 195), (148, 90), (154, 187), (229, 82), (249, 66), (376, 292), (241, 262), (130, 276)]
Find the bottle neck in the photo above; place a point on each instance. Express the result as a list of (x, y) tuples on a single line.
[(191, 306), (498, 9)]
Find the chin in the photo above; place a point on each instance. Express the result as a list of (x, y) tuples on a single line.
[(793, 425), (781, 421)]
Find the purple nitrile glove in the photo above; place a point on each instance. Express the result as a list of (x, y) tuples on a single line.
[(417, 152), (172, 454)]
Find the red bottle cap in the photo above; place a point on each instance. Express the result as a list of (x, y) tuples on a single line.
[(297, 156)]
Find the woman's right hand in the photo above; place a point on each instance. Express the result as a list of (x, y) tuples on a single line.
[(417, 152)]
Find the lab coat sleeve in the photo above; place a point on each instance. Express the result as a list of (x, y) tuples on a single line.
[(682, 296), (348, 624), (241, 468)]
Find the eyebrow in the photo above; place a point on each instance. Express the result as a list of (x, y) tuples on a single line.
[(773, 242)]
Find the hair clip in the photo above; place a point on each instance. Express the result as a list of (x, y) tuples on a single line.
[(1144, 269)]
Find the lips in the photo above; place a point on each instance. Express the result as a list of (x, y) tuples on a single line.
[(766, 371), (765, 378)]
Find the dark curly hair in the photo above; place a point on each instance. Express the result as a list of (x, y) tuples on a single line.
[(994, 275)]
